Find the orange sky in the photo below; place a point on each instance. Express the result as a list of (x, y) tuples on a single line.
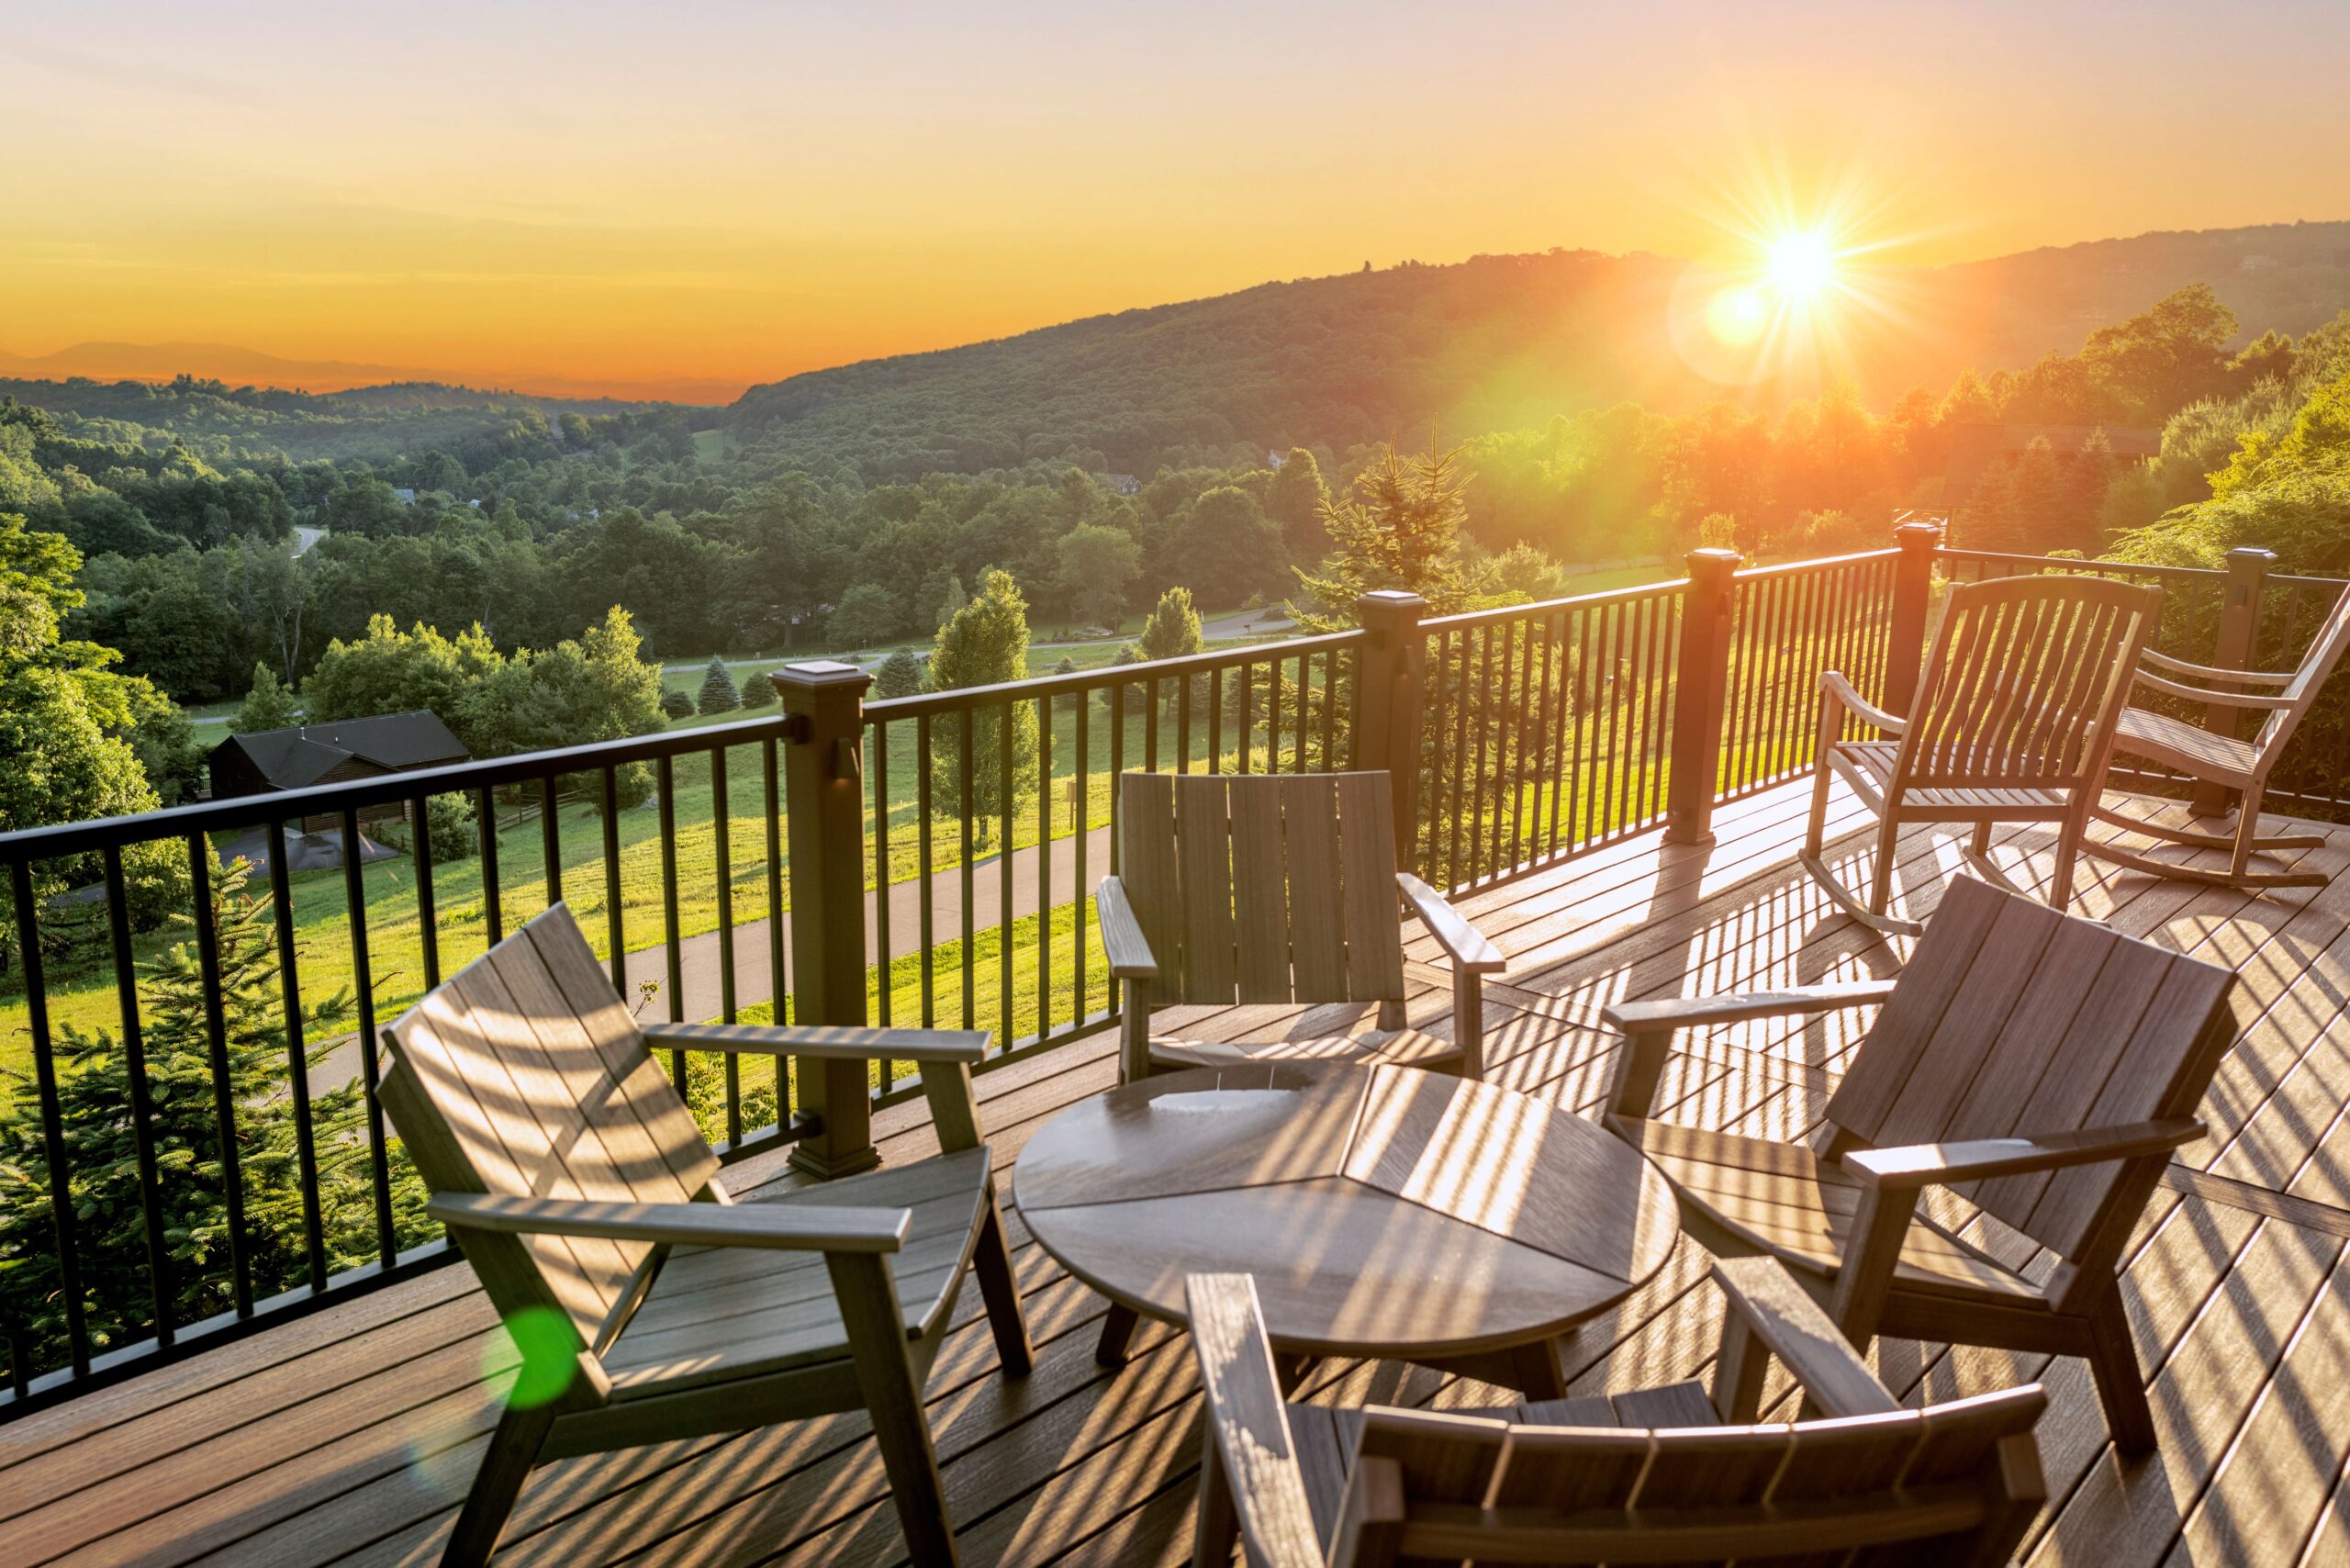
[(691, 198)]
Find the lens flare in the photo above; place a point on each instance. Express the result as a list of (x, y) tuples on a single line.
[(1802, 264)]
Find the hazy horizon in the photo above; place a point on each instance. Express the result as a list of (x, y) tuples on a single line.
[(563, 198)]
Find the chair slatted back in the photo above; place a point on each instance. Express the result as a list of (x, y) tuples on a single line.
[(523, 1074), (2026, 681), (1917, 1487), (1264, 888), (2012, 1019), (2325, 651)]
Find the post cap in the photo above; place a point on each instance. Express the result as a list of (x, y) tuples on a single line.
[(818, 672), (2251, 553), (1391, 599), (1917, 535)]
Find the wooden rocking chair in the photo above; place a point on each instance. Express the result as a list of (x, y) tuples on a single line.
[(1646, 1475), (1272, 889), (2041, 1065), (648, 1305), (2223, 759), (2015, 722)]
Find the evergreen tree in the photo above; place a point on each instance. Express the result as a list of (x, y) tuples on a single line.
[(952, 605), (900, 675), (93, 1095), (2082, 494), (1993, 519), (985, 645), (267, 705), (1399, 529), (718, 692), (758, 692), (2039, 498), (676, 705)]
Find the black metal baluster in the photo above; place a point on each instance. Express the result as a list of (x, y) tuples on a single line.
[(673, 954), (615, 925), (354, 900), (224, 1093), (52, 1119), (1330, 711), (1247, 715), (1184, 724), (142, 1108), (1006, 769), (778, 976), (927, 870), (967, 809), (493, 905), (1082, 829), (1045, 866), (1150, 730), (1215, 720), (882, 948), (427, 922), (550, 840), (722, 827), (298, 1056)]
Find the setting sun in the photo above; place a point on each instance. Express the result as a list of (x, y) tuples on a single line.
[(1802, 264)]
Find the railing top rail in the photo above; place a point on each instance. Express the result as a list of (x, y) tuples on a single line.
[(358, 794), (1818, 563), (2277, 579), (2134, 568), (956, 699), (1551, 606)]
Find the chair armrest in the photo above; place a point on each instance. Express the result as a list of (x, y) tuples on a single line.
[(1784, 1317), (1247, 1424), (1697, 1011), (1935, 1164), (824, 1043), (1467, 946), (2218, 699), (775, 1227), (1833, 684), (2208, 672), (1122, 942)]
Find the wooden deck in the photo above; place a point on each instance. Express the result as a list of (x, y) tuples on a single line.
[(350, 1435)]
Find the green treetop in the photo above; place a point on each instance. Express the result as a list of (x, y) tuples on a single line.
[(1399, 529), (267, 705), (985, 645)]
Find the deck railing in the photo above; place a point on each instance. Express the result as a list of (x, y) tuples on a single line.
[(192, 1148)]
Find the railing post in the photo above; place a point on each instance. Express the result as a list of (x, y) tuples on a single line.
[(2235, 647), (1701, 687), (824, 814), (1388, 689), (1913, 594)]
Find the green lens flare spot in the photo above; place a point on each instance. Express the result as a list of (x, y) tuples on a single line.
[(550, 1355)]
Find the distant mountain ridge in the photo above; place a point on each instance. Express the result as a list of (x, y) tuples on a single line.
[(1491, 343)]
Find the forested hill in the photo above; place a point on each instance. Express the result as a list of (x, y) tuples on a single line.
[(1491, 343), (378, 424)]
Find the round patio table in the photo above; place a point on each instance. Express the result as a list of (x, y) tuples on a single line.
[(1385, 1212)]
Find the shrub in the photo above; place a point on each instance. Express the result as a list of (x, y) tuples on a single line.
[(676, 705), (758, 692)]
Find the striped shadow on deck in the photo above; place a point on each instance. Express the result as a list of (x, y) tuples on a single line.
[(350, 1436)]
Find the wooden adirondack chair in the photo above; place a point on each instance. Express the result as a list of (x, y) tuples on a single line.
[(2014, 722), (1648, 1476), (2041, 1065), (648, 1305), (1266, 889), (2239, 765)]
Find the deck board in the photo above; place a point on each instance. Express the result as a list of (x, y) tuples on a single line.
[(350, 1437)]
